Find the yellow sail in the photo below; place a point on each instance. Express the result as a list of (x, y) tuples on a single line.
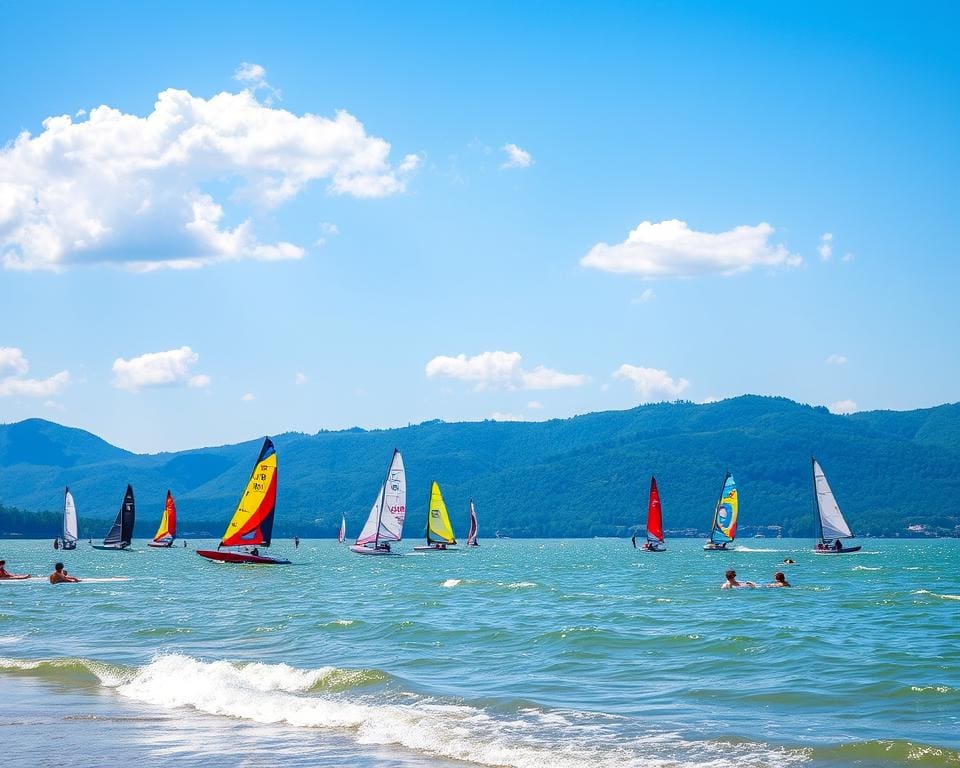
[(439, 530)]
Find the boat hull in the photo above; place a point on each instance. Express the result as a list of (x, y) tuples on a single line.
[(68, 545), (716, 548), (240, 557), (432, 548), (844, 551), (160, 544), (111, 548), (652, 550), (361, 550)]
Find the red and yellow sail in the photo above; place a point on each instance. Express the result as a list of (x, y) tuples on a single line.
[(168, 523), (252, 523)]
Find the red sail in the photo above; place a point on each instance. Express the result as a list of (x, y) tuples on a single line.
[(654, 514)]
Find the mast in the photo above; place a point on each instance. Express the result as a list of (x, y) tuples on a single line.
[(383, 496), (716, 509), (816, 498)]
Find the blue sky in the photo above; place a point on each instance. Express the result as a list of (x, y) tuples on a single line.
[(367, 214)]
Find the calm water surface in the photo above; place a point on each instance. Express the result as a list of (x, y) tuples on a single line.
[(520, 653)]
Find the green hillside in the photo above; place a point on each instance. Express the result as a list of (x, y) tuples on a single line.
[(583, 476)]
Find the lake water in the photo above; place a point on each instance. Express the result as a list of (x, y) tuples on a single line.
[(519, 653)]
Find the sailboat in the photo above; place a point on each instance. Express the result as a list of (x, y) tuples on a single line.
[(252, 524), (342, 533), (440, 536), (69, 540), (121, 533), (472, 540), (654, 542), (831, 527), (167, 531), (385, 523), (724, 528)]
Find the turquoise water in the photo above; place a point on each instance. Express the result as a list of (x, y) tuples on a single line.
[(520, 653)]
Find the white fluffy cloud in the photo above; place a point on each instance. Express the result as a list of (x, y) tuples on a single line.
[(499, 416), (672, 249), (843, 407), (249, 397), (516, 157), (501, 370), (825, 249), (12, 359), (836, 359), (121, 188), (651, 383), (15, 364), (158, 369), (300, 379)]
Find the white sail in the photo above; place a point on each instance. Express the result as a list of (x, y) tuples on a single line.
[(831, 519), (385, 522), (369, 532), (69, 518)]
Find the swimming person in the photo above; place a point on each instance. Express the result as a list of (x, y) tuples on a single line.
[(732, 583), (779, 580), (789, 561), (60, 576)]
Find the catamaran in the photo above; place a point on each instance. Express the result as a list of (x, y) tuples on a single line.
[(167, 531), (654, 542), (440, 536), (252, 524), (69, 540), (831, 527), (385, 523), (472, 540), (724, 528), (342, 533), (121, 533)]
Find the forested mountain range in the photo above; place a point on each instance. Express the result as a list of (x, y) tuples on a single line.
[(583, 476)]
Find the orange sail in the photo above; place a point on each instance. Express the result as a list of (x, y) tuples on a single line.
[(167, 531), (252, 523), (654, 514)]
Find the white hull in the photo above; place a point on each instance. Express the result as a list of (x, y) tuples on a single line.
[(361, 550)]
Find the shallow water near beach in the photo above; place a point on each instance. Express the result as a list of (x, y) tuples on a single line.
[(519, 653)]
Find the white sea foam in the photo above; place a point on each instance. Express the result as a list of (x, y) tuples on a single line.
[(741, 548), (519, 585), (11, 639), (278, 693), (864, 568), (934, 594), (451, 583)]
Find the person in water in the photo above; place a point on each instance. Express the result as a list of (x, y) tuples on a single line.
[(634, 540), (296, 542), (788, 561), (732, 583), (779, 580), (4, 574), (60, 576), (56, 543)]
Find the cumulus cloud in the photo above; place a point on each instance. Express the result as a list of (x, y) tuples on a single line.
[(836, 359), (300, 379), (12, 359), (158, 369), (651, 383), (249, 397), (501, 370), (499, 416), (825, 249), (534, 405), (15, 364), (848, 257), (516, 157), (122, 188), (843, 407), (672, 249), (327, 229)]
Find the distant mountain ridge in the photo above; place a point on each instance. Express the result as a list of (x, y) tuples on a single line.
[(582, 476)]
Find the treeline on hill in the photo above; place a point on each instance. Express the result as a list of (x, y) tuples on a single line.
[(584, 476)]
